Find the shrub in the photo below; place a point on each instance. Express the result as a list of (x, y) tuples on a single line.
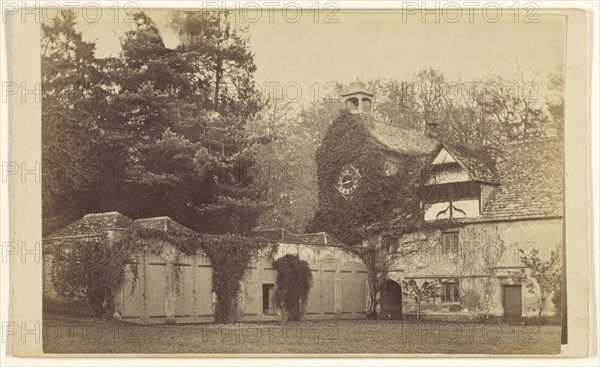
[(91, 270), (94, 270), (294, 280)]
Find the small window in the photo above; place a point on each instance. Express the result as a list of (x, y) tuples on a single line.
[(352, 104), (450, 292), (451, 192), (267, 298), (391, 167), (366, 105), (449, 242)]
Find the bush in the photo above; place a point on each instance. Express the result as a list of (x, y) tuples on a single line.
[(294, 280), (92, 271)]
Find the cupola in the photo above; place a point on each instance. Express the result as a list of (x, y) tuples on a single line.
[(358, 98)]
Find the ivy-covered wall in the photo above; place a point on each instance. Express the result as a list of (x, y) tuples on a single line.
[(170, 281), (338, 287), (487, 258), (378, 198)]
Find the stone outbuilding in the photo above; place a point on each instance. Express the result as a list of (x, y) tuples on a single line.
[(172, 287)]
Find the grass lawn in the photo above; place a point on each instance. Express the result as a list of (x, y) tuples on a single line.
[(81, 334)]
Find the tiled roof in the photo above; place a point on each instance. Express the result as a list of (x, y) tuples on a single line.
[(406, 141), (94, 224), (97, 223), (479, 164), (531, 181)]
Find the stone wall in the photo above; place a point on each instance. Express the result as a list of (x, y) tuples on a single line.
[(487, 259)]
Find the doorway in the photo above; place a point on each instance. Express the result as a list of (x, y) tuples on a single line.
[(512, 303), (391, 302)]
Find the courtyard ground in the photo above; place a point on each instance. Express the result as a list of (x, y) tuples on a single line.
[(83, 334)]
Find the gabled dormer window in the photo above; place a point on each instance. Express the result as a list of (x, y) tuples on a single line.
[(449, 190)]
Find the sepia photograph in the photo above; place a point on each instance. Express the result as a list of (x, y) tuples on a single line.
[(295, 181)]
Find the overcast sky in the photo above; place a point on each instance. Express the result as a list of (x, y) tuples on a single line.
[(377, 45)]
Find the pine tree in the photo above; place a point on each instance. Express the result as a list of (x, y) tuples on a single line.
[(189, 153), (73, 98)]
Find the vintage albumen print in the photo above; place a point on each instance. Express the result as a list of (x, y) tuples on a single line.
[(305, 181)]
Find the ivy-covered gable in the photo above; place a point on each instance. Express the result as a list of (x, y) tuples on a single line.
[(355, 140)]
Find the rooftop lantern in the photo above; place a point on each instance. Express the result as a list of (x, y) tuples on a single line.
[(358, 99)]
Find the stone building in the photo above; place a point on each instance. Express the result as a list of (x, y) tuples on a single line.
[(173, 287), (482, 207)]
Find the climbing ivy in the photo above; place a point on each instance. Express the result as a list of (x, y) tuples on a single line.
[(229, 254), (94, 270), (294, 280), (91, 270), (382, 209), (380, 199)]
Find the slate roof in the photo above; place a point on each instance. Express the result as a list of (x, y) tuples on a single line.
[(405, 141), (531, 181), (478, 163), (92, 224)]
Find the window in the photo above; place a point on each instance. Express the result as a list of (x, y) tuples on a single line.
[(391, 167), (449, 242), (450, 292), (450, 192), (352, 104), (366, 105), (267, 294)]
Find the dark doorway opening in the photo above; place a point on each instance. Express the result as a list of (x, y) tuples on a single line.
[(511, 300), (391, 302), (267, 295)]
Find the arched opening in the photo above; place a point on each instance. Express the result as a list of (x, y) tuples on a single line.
[(391, 302), (366, 105), (352, 104)]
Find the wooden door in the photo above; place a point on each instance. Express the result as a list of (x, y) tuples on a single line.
[(511, 300)]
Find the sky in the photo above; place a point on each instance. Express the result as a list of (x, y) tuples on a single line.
[(299, 60)]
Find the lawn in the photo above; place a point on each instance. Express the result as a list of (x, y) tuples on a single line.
[(81, 334)]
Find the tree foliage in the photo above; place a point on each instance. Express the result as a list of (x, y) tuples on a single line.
[(72, 98), (492, 111), (160, 123), (294, 280), (419, 293), (92, 271), (545, 275), (286, 166)]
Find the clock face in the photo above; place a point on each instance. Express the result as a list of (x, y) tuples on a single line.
[(348, 181)]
